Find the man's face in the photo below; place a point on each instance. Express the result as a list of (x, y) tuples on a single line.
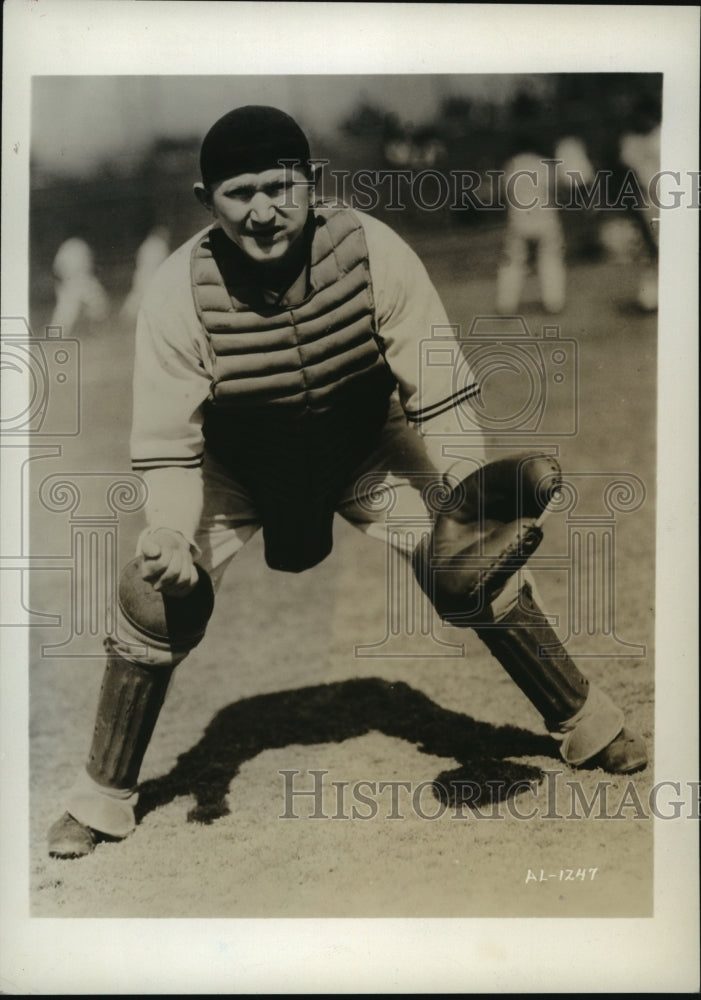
[(263, 214)]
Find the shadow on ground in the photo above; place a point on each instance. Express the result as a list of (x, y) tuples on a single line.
[(332, 713)]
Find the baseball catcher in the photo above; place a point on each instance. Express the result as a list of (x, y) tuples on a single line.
[(277, 374)]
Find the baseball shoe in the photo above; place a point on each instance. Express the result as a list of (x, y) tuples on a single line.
[(624, 755), (70, 839)]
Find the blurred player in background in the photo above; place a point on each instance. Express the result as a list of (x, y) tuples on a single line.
[(278, 381), (532, 226), (149, 257), (534, 191), (640, 151), (78, 290)]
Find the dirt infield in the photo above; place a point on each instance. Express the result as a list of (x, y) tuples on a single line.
[(279, 700)]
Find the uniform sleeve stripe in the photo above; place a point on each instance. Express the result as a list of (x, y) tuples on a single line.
[(436, 409), (144, 464)]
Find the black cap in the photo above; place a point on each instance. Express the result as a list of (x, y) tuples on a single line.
[(250, 140)]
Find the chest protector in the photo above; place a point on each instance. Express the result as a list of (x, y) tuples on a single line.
[(300, 389)]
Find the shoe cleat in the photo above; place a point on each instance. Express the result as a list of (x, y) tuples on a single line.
[(624, 755), (70, 839)]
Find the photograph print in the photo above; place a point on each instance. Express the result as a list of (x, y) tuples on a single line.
[(395, 337), (335, 438)]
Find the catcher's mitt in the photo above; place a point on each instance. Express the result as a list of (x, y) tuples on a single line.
[(486, 530)]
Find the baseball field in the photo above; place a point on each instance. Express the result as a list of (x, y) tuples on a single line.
[(331, 751)]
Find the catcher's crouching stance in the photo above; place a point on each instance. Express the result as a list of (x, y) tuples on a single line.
[(485, 531)]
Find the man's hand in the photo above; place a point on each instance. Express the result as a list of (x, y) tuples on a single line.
[(167, 562)]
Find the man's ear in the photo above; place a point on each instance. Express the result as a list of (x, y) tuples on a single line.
[(203, 195)]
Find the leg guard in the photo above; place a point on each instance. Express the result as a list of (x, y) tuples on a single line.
[(130, 701), (163, 629), (528, 649), (574, 711)]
